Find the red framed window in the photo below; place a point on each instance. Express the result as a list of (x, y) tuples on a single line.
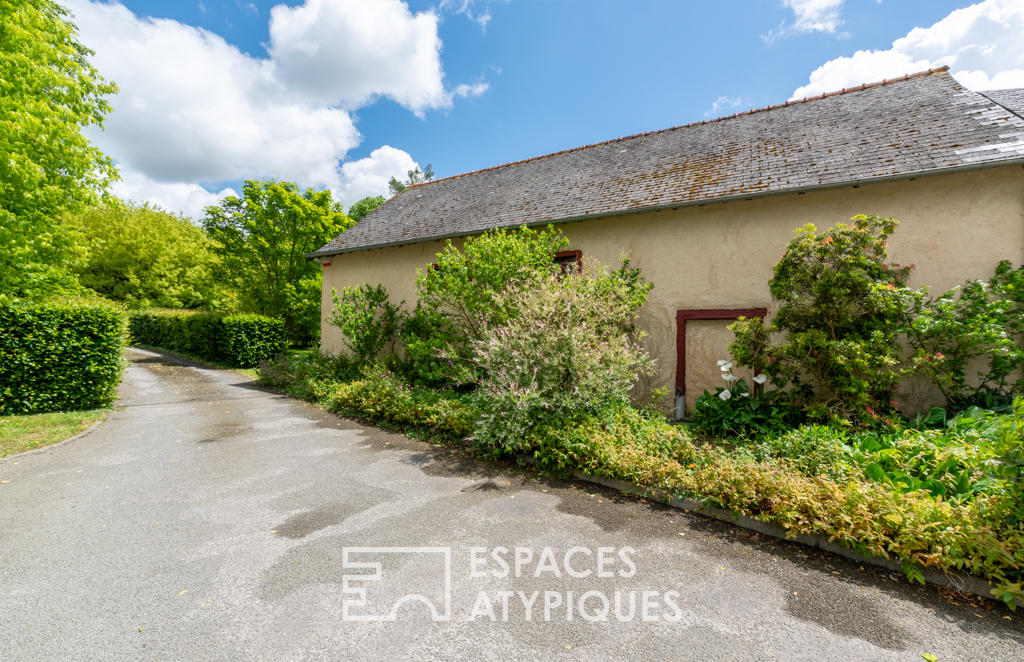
[(682, 316), (570, 262)]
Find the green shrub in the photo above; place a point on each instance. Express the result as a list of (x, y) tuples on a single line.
[(976, 321), (367, 319), (564, 352), (57, 356), (457, 295), (381, 396), (307, 374), (239, 341), (839, 305)]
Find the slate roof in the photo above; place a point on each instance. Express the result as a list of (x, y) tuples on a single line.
[(1010, 99), (920, 123)]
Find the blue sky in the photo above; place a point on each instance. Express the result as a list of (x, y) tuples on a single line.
[(558, 74)]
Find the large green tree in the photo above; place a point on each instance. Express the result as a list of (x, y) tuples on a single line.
[(262, 238), (145, 256), (48, 93)]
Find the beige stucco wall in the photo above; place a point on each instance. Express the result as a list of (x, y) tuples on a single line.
[(721, 255)]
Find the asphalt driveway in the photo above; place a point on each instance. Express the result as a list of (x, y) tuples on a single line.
[(207, 519)]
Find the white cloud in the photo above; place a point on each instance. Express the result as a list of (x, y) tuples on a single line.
[(370, 176), (811, 16), (982, 44), (186, 198), (816, 15), (346, 52), (194, 109), (465, 7), (474, 90), (722, 103)]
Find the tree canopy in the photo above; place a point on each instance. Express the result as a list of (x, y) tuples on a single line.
[(262, 238), (360, 209), (145, 256), (48, 93)]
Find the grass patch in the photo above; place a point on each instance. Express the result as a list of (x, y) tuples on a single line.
[(24, 433)]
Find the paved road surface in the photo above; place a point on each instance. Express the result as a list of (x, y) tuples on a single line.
[(208, 520)]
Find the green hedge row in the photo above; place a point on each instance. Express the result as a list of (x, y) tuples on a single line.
[(240, 341), (60, 356)]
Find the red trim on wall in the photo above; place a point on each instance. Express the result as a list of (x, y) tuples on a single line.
[(711, 314)]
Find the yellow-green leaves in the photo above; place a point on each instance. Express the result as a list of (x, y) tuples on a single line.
[(48, 93)]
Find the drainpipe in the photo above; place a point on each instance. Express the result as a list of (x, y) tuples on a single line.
[(680, 403)]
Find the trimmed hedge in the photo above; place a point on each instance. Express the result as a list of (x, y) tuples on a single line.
[(240, 341), (60, 355)]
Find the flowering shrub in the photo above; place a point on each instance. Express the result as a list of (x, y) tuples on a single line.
[(840, 305), (565, 353), (736, 411)]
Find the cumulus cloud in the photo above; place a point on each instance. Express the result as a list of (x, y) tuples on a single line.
[(194, 109), (370, 176), (346, 52), (722, 103), (982, 44), (177, 197)]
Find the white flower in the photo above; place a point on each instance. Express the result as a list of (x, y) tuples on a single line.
[(745, 395), (760, 379), (729, 377), (722, 361), (725, 395), (726, 367)]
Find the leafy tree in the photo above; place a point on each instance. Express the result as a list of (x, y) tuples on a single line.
[(415, 177), (145, 256), (262, 238), (839, 306), (48, 93), (360, 209)]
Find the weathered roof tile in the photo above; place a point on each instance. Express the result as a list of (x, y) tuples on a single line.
[(925, 122)]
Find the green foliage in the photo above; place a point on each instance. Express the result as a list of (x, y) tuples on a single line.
[(737, 411), (415, 177), (380, 396), (48, 93), (145, 256), (240, 341), (368, 321), (307, 374), (977, 322), (458, 293), (60, 355), (839, 306), (559, 350), (262, 239), (360, 209)]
